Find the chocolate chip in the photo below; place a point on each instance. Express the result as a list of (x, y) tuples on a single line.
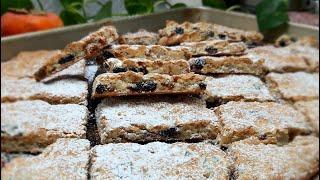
[(202, 85), (262, 137), (169, 132), (210, 34), (144, 86), (139, 69), (211, 50), (222, 36), (119, 69), (179, 30), (102, 88), (198, 64), (66, 59)]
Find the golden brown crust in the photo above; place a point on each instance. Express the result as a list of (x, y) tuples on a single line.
[(87, 47), (131, 83), (141, 37), (175, 33)]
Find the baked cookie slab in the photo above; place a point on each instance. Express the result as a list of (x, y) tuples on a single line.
[(28, 126), (297, 160), (294, 86), (311, 110), (171, 67), (159, 161), (149, 52), (246, 64), (65, 159), (155, 118), (215, 48), (57, 92), (268, 121), (279, 59), (132, 83), (87, 47), (236, 88), (175, 33), (141, 37)]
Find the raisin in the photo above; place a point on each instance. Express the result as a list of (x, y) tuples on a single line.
[(102, 88), (119, 69), (66, 59), (107, 54), (202, 85), (169, 132), (198, 64), (210, 34), (282, 43), (251, 45), (144, 86), (179, 30), (222, 36), (211, 50), (223, 148), (139, 69), (262, 137)]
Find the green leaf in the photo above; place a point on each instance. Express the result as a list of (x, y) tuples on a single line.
[(220, 4), (178, 5), (16, 4), (71, 16), (66, 3), (105, 11), (272, 13), (138, 6)]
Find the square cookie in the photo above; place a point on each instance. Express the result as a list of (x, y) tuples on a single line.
[(236, 88), (294, 86), (159, 161), (65, 159), (270, 122), (311, 110), (28, 126), (297, 160), (62, 91), (155, 118)]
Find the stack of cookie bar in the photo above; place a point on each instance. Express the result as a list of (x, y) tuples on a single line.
[(193, 101)]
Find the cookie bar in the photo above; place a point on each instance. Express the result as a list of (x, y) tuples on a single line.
[(215, 48), (294, 86), (149, 52), (171, 67), (268, 121), (132, 83), (156, 118), (57, 92), (65, 159), (28, 126), (26, 63), (159, 161), (311, 110), (279, 59), (297, 160), (246, 64), (141, 37), (87, 47), (175, 33), (236, 88), (308, 53)]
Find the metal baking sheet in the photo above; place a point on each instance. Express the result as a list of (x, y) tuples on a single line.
[(58, 38)]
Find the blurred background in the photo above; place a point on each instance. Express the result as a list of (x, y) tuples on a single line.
[(20, 16)]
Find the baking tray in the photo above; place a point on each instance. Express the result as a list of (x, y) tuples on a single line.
[(58, 38)]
